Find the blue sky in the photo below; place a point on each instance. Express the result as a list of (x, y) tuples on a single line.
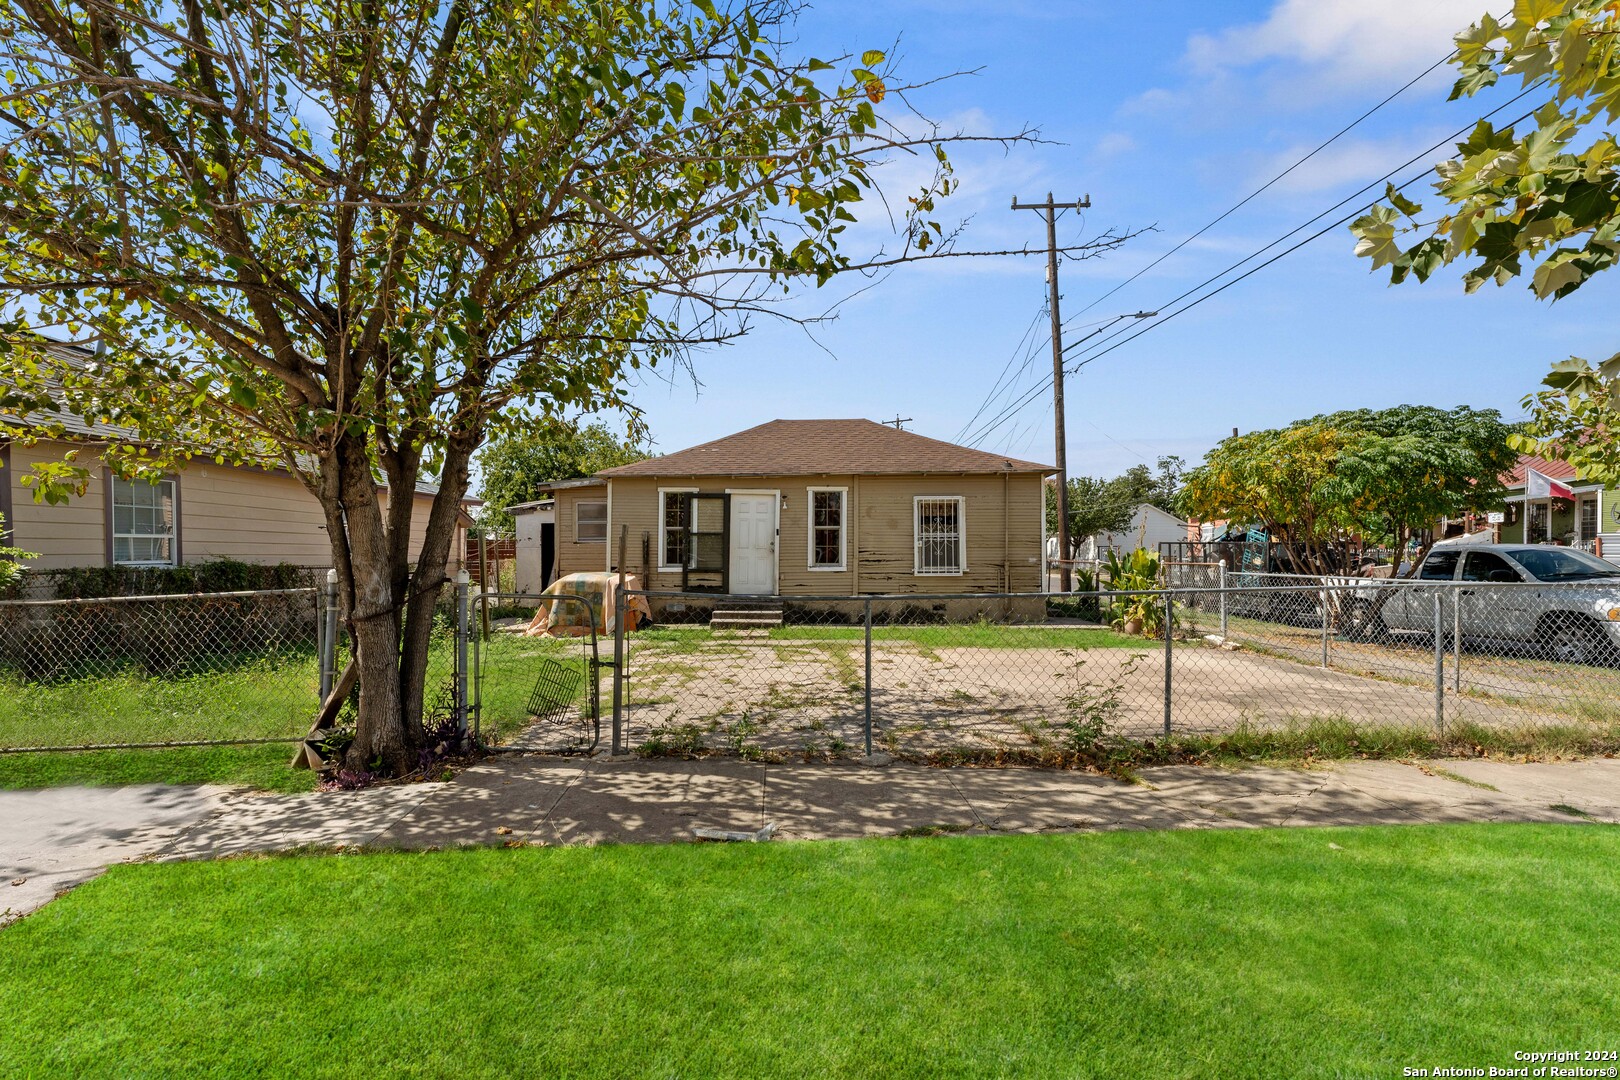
[(1166, 115)]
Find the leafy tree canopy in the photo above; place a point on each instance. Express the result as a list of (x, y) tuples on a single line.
[(516, 462), (1385, 476), (1543, 201)]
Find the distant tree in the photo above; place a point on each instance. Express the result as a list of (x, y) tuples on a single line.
[(1385, 476), (1098, 506), (517, 461), (1546, 198)]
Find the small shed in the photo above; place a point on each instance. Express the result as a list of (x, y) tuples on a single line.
[(535, 564)]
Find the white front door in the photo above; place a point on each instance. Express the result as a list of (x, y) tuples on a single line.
[(753, 544)]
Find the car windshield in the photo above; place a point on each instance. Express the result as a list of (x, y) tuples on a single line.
[(1563, 564)]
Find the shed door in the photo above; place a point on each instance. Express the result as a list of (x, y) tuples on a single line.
[(753, 544)]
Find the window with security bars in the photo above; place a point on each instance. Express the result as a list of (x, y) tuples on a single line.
[(939, 535), (827, 529), (143, 522), (1589, 519), (675, 546)]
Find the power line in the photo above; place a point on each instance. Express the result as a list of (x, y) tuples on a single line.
[(1099, 350), (1288, 251), (1263, 187), (996, 387)]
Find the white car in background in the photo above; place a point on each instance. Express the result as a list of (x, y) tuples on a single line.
[(1564, 602)]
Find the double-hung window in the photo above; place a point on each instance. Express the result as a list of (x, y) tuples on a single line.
[(144, 530), (940, 534), (590, 521), (826, 540)]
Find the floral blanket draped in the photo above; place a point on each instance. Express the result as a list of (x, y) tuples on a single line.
[(564, 618)]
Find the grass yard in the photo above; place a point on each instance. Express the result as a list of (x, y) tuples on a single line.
[(263, 767), (264, 698), (1299, 952)]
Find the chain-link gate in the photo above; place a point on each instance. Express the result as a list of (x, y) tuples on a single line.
[(537, 672)]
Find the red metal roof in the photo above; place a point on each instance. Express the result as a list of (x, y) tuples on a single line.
[(1553, 470)]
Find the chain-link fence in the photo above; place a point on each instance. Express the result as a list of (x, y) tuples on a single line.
[(1029, 677), (538, 671), (158, 670)]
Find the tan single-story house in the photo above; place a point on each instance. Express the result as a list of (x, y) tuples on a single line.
[(812, 508), (202, 512)]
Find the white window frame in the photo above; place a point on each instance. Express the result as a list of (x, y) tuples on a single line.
[(603, 503), (810, 530), (916, 535), (663, 530), (173, 535)]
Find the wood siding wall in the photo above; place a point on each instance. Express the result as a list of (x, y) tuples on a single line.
[(878, 533), (225, 513), (574, 557)]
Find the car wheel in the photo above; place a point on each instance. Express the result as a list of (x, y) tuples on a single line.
[(1361, 622), (1572, 639)]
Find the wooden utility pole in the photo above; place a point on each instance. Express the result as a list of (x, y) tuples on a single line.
[(1050, 211)]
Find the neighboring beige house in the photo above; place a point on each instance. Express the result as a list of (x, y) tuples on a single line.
[(205, 511), (812, 508)]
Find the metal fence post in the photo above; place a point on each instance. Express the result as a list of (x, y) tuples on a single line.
[(619, 608), (328, 636), (1324, 600), (868, 720), (1169, 614), (1439, 668), (1456, 641), (1223, 600), (462, 579)]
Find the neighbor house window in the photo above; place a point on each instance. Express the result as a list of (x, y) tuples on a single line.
[(1589, 519), (143, 522), (590, 521), (940, 537), (827, 528), (674, 529)]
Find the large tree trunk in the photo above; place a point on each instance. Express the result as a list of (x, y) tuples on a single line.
[(390, 605), (382, 739)]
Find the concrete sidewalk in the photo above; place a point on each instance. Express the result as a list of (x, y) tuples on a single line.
[(547, 800), (51, 840)]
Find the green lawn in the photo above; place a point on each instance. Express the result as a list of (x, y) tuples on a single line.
[(1303, 952), (262, 698), (263, 767)]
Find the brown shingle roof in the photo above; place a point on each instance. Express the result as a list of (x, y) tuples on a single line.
[(818, 447)]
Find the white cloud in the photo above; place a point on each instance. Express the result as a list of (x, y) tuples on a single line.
[(1346, 161), (1113, 145), (1346, 41)]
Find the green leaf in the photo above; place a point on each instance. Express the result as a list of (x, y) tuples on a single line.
[(872, 58), (1401, 202)]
